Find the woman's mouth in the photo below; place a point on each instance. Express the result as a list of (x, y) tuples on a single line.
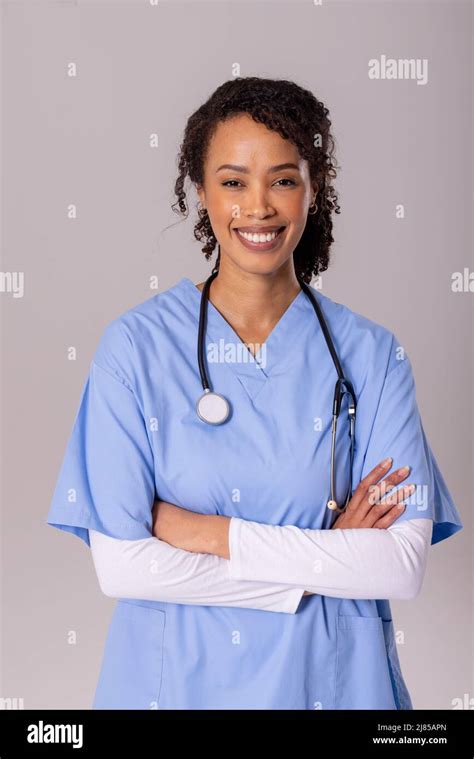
[(260, 240)]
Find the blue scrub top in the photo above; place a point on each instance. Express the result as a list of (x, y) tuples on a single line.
[(137, 437)]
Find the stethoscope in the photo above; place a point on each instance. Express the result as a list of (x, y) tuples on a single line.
[(213, 408)]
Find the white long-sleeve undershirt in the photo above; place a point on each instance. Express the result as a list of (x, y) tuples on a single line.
[(151, 569), (346, 563), (270, 566)]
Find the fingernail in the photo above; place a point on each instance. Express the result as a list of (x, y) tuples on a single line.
[(404, 470), (386, 462)]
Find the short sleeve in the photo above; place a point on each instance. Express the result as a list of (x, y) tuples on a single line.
[(398, 431), (106, 480)]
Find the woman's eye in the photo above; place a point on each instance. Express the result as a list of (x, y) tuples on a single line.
[(235, 181), (287, 180)]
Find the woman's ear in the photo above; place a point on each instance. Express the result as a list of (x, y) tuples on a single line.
[(201, 195)]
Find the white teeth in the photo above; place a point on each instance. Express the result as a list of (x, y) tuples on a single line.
[(255, 237)]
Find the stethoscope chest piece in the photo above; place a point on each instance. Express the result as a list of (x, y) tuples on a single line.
[(212, 408)]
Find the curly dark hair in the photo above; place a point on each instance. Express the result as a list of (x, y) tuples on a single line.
[(297, 115)]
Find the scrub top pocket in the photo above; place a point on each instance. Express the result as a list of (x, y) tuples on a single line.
[(363, 675), (132, 663)]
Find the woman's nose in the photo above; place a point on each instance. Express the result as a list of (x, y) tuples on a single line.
[(256, 203)]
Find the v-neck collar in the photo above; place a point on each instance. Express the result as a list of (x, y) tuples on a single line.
[(274, 354)]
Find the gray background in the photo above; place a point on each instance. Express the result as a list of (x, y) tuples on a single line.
[(143, 70)]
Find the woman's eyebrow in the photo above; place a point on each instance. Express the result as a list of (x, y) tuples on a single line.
[(271, 170)]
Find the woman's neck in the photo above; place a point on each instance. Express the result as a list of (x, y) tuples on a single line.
[(253, 303)]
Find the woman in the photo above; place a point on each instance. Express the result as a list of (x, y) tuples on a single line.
[(238, 587)]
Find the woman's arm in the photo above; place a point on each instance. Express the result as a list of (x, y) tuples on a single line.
[(366, 554), (345, 563), (209, 533), (150, 569)]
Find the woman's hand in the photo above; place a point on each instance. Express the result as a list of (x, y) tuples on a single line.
[(365, 509)]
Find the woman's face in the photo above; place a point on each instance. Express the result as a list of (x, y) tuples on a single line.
[(246, 186)]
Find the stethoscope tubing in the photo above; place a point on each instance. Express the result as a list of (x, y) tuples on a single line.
[(343, 385)]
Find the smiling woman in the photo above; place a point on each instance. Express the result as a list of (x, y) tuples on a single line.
[(233, 203), (261, 156), (238, 584)]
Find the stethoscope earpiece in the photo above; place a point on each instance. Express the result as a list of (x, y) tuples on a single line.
[(214, 409)]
